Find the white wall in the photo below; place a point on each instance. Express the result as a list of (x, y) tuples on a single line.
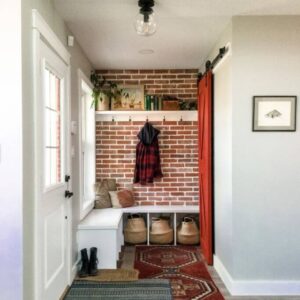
[(266, 165), (10, 151), (258, 252), (223, 153), (78, 60)]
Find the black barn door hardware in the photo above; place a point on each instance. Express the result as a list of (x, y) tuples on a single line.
[(209, 65)]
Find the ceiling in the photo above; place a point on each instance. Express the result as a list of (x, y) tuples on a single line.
[(187, 29)]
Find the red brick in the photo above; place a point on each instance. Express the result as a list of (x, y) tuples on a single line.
[(178, 143)]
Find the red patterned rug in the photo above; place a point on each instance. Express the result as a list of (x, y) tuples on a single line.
[(184, 267)]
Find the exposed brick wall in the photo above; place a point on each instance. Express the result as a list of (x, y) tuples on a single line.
[(181, 83), (115, 158)]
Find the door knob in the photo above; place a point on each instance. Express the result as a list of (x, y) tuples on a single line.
[(67, 178), (68, 194)]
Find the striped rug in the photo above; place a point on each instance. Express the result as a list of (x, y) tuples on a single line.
[(146, 289)]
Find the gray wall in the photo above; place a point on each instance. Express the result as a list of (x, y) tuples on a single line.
[(266, 165), (257, 174), (223, 153), (78, 60)]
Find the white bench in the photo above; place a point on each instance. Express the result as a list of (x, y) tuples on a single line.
[(103, 228)]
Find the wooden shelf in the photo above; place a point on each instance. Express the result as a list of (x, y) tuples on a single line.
[(153, 115)]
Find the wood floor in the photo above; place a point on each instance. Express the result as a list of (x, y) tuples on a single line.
[(128, 262)]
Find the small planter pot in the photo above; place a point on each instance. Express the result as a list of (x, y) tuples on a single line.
[(104, 104)]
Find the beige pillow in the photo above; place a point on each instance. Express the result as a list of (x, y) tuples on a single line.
[(102, 198), (110, 184), (114, 199)]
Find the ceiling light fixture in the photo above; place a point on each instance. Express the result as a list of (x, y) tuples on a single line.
[(145, 23)]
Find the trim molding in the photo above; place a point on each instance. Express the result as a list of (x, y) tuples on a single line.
[(45, 30), (256, 287), (74, 270)]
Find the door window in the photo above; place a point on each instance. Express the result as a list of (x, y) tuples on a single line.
[(53, 129)]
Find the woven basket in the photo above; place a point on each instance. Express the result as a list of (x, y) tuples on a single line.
[(135, 237), (162, 238), (188, 232), (161, 232), (135, 231), (160, 225)]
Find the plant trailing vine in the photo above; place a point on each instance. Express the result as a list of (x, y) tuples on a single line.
[(103, 88)]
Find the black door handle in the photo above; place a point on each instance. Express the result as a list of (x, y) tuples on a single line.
[(68, 194), (67, 178)]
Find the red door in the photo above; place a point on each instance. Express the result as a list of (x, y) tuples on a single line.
[(205, 164)]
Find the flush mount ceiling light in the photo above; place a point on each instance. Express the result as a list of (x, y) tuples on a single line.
[(145, 23)]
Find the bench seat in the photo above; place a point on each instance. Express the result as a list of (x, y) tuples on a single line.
[(103, 228)]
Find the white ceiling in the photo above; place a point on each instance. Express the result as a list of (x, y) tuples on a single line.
[(187, 29)]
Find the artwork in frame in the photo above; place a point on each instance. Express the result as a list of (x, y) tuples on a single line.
[(131, 98), (274, 113)]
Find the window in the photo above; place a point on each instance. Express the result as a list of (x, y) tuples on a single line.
[(87, 147), (53, 141)]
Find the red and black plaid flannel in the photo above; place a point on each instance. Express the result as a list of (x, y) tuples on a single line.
[(147, 165)]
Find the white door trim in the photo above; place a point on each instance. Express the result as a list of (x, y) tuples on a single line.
[(83, 211), (45, 30), (41, 30)]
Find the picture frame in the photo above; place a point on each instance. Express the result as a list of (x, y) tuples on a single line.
[(274, 113), (131, 98)]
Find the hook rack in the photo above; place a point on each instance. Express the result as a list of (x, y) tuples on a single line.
[(152, 116)]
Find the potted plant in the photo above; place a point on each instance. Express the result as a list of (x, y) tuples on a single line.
[(103, 91)]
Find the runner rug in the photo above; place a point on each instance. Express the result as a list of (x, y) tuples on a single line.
[(147, 289), (182, 265)]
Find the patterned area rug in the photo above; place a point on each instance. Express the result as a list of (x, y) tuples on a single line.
[(147, 289), (182, 265)]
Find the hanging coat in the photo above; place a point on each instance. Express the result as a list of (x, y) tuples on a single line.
[(147, 165)]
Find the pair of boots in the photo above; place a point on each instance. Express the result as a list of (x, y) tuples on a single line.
[(89, 267)]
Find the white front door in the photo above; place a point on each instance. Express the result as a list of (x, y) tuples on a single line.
[(53, 165)]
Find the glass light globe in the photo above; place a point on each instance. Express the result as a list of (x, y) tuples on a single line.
[(145, 25)]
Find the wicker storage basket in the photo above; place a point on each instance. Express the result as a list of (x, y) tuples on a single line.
[(135, 231), (162, 238), (161, 232), (188, 232)]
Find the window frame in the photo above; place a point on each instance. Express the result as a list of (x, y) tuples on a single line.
[(84, 88), (47, 66)]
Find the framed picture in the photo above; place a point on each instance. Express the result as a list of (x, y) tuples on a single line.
[(131, 98), (274, 113)]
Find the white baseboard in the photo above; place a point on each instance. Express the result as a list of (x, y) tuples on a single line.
[(74, 270), (256, 287)]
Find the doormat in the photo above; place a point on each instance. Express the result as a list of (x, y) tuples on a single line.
[(146, 289), (113, 275), (182, 265)]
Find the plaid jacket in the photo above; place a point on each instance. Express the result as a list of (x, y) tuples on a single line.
[(147, 165)]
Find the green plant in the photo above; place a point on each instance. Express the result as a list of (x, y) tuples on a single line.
[(103, 88)]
